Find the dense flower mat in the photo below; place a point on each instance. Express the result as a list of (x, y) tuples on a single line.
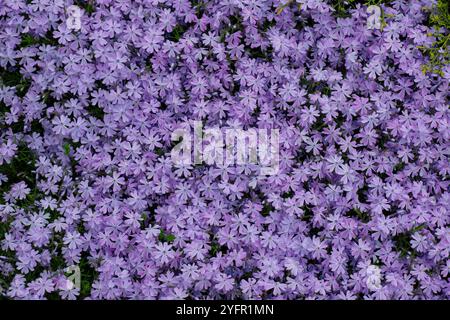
[(358, 210)]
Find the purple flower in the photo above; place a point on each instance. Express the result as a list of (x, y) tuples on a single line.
[(358, 206)]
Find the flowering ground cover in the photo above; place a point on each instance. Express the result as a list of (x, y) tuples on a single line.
[(91, 205)]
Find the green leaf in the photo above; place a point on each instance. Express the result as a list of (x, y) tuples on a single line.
[(163, 237), (66, 148)]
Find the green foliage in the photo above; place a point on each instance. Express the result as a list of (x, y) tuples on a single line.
[(199, 6), (21, 168), (88, 276), (177, 32), (87, 5), (343, 7), (30, 40), (438, 53), (96, 111), (13, 78), (166, 237), (362, 216), (403, 242), (66, 148), (280, 9), (267, 209), (216, 248)]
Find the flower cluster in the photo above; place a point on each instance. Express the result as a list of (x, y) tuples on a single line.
[(359, 208)]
